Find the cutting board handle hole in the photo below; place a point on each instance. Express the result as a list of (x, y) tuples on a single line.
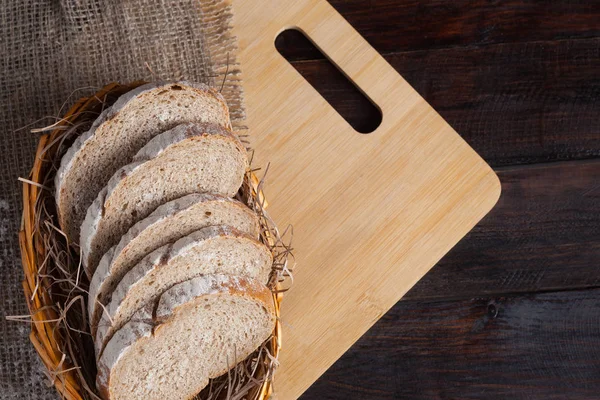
[(327, 79)]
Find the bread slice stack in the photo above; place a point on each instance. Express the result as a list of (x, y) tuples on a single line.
[(194, 331), (178, 275)]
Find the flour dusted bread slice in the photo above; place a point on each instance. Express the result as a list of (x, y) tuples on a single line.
[(210, 250), (117, 135), (196, 331), (166, 224), (189, 158)]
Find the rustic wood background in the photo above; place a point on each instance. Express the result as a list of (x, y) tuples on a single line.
[(514, 310)]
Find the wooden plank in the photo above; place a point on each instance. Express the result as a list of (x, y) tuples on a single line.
[(395, 26), (514, 103), (395, 200), (544, 346), (544, 234)]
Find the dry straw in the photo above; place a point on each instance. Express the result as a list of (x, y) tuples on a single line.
[(56, 287)]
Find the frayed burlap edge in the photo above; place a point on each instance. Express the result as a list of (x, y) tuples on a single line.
[(221, 49)]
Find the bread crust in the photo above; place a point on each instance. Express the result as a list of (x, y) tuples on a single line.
[(150, 152), (150, 319), (77, 149), (161, 258), (104, 275)]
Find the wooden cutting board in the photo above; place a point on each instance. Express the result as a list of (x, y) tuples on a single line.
[(371, 213)]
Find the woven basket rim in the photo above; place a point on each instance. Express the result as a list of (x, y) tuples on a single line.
[(44, 336)]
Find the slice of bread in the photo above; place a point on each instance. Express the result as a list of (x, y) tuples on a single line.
[(210, 250), (198, 330), (118, 134), (168, 223), (189, 158)]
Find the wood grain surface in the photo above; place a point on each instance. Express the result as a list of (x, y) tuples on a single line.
[(372, 213), (515, 103), (402, 26), (543, 346), (511, 311), (543, 235)]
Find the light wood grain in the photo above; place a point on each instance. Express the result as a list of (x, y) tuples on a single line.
[(371, 213)]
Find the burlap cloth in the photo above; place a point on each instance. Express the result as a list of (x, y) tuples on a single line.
[(53, 52)]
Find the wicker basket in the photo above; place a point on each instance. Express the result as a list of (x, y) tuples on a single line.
[(55, 289)]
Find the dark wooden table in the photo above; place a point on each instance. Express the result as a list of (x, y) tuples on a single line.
[(513, 311)]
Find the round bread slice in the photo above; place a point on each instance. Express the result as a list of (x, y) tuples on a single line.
[(189, 158), (117, 135), (166, 224), (197, 330), (210, 250)]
